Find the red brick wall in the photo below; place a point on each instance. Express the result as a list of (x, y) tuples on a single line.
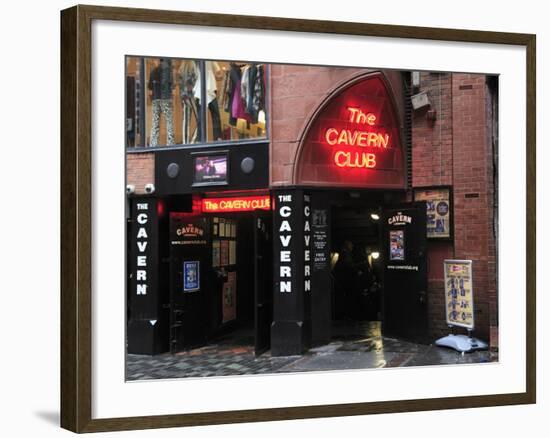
[(140, 170), (455, 150)]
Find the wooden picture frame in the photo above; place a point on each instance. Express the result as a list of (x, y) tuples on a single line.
[(76, 218)]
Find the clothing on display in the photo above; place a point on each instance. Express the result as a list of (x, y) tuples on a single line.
[(189, 86), (162, 106), (161, 85), (244, 92), (189, 79)]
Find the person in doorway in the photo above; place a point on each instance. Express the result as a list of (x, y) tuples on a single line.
[(345, 275)]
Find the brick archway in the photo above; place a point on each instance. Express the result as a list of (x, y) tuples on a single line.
[(353, 138)]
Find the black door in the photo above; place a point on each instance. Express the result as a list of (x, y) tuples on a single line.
[(405, 310), (263, 280), (189, 282)]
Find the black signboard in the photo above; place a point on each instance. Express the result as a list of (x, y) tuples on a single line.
[(320, 240), (143, 259)]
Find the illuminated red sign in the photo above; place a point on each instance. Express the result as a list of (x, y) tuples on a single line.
[(354, 140), (360, 138), (228, 205)]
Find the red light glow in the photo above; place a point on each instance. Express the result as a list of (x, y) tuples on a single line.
[(355, 159), (228, 205), (354, 140)]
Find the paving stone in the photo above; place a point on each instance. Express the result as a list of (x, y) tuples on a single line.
[(354, 346)]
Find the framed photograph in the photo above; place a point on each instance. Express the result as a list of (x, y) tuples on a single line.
[(291, 111), (439, 211)]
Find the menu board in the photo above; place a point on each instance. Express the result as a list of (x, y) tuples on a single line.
[(459, 295), (438, 211)]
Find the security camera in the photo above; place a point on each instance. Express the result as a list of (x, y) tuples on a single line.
[(130, 188), (149, 188)]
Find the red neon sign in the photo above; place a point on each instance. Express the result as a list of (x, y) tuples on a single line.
[(354, 140), (228, 205), (355, 137)]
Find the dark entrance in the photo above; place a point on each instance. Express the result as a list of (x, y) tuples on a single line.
[(356, 261), (263, 281), (405, 312), (220, 279), (190, 280), (378, 265)]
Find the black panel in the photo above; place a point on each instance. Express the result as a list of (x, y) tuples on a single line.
[(237, 179), (263, 280), (189, 242), (405, 275), (320, 265), (145, 319), (291, 328), (143, 290)]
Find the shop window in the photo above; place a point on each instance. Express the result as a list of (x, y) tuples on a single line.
[(241, 91), (164, 101)]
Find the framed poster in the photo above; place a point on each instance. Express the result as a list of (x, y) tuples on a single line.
[(95, 42), (397, 245), (191, 276), (439, 214)]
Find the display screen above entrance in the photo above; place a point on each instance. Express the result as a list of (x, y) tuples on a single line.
[(244, 203), (354, 140)]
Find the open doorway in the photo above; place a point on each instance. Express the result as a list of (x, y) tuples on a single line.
[(220, 269), (356, 266)]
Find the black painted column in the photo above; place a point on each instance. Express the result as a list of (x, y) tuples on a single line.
[(291, 327), (143, 292)]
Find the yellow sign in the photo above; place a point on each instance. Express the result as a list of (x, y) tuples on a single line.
[(459, 295)]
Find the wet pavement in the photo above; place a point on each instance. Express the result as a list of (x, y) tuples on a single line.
[(354, 346)]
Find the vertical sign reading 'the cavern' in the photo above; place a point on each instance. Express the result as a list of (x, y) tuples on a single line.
[(143, 259)]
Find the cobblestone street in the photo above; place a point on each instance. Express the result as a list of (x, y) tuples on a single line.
[(234, 355)]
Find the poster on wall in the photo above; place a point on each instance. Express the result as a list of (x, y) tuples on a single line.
[(397, 245), (215, 253), (320, 239), (232, 252), (191, 276), (438, 211), (229, 298), (459, 295), (224, 253)]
